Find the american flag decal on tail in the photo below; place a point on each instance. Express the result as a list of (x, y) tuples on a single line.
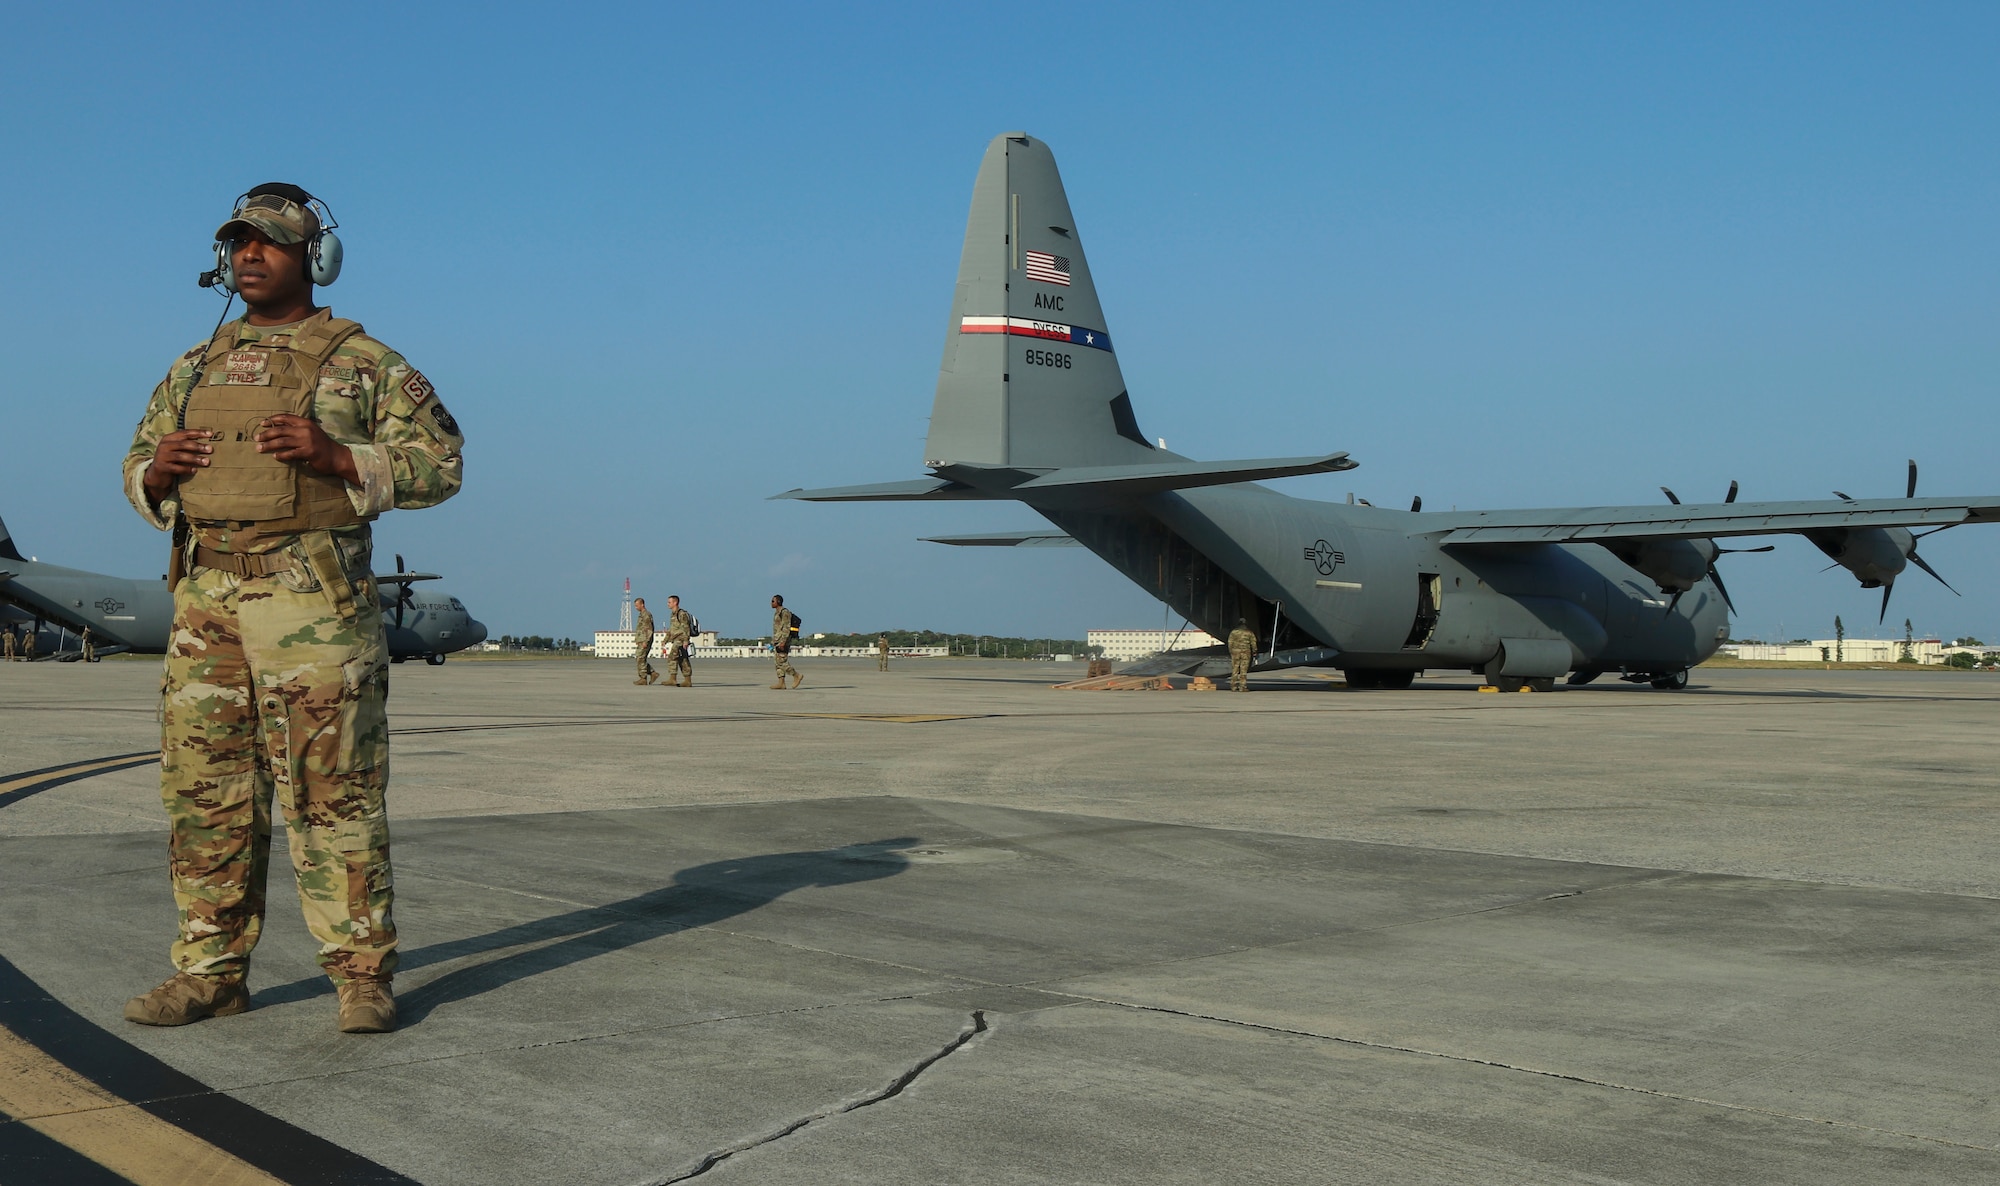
[(1049, 269)]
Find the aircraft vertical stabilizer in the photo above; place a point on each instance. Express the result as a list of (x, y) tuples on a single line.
[(1028, 378), (7, 549)]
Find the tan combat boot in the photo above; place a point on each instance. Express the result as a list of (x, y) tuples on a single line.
[(366, 1007), (798, 677), (186, 998), (780, 685)]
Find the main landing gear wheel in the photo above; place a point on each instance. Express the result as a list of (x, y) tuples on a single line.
[(438, 661), (1673, 681)]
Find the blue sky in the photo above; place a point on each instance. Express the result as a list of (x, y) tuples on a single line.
[(662, 262)]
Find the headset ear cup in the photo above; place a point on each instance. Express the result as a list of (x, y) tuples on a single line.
[(225, 267), (324, 258)]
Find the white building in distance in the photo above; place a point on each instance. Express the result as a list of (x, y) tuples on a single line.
[(1121, 645), (1853, 650)]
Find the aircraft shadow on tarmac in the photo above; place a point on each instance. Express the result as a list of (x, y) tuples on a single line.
[(699, 896)]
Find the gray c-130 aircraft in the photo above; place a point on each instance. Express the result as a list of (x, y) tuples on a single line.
[(1031, 407), (136, 615)]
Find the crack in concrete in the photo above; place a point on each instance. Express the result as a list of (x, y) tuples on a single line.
[(1544, 1073), (977, 1027)]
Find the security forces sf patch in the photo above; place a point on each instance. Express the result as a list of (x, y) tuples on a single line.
[(418, 388)]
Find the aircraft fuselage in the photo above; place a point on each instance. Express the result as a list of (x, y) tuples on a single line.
[(1373, 589)]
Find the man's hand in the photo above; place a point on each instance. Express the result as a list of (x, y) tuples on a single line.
[(180, 454), (297, 439)]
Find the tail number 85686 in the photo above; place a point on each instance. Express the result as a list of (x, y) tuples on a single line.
[(1048, 358)]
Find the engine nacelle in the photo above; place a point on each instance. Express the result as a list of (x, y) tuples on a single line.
[(1675, 565), (1875, 555)]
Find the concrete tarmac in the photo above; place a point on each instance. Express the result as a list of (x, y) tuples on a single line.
[(946, 924)]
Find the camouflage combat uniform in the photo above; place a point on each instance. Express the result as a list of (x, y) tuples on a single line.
[(1242, 649), (680, 634), (7, 643), (276, 679), (781, 647), (642, 647), (882, 653)]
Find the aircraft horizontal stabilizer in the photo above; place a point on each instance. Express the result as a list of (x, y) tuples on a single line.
[(919, 490), (1030, 538), (1148, 477)]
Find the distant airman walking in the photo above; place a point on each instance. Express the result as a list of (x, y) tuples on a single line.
[(882, 653), (1242, 649), (89, 647), (28, 641), (7, 643), (680, 638), (784, 629), (642, 643)]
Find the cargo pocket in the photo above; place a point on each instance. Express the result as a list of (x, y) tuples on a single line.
[(361, 835), (364, 845)]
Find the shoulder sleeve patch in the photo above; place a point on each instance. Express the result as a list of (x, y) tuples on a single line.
[(417, 388), (443, 418)]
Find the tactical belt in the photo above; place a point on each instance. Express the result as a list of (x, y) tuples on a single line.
[(243, 564)]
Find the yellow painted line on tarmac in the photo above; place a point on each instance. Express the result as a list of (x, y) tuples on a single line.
[(95, 764), (62, 1105)]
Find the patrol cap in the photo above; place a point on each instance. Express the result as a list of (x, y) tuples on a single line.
[(277, 209)]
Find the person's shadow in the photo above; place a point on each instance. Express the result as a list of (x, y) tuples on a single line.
[(698, 896)]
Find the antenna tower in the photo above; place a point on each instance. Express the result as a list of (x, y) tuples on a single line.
[(625, 607)]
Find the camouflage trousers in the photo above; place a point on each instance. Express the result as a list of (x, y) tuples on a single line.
[(269, 694), (881, 661), (784, 661), (679, 665), (1239, 673), (643, 653)]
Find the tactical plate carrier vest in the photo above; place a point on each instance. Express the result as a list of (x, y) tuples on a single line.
[(244, 384)]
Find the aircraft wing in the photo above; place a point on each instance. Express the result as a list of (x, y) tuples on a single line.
[(1693, 520), (1031, 538), (404, 578)]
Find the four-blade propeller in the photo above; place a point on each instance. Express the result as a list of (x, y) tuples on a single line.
[(1714, 575), (1898, 540)]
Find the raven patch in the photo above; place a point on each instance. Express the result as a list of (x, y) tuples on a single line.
[(443, 418)]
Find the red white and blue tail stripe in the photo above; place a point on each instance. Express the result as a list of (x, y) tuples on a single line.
[(1024, 327)]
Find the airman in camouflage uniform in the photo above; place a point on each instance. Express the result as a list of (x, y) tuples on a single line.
[(7, 643), (1242, 649), (882, 653), (781, 643), (680, 635), (276, 668), (89, 646), (642, 643)]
